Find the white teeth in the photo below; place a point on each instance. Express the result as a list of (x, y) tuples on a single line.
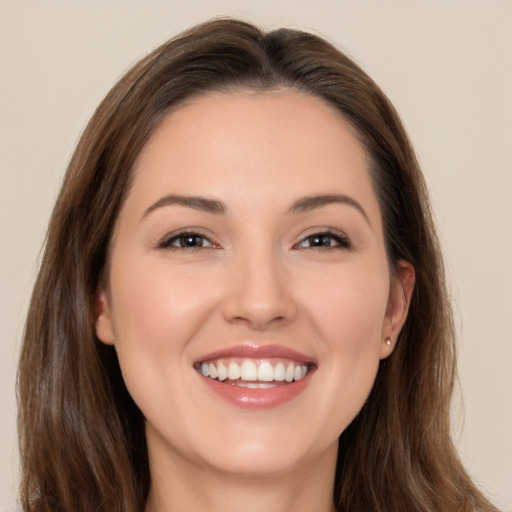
[(253, 375), (248, 371), (213, 371), (265, 372), (222, 372), (233, 371), (279, 372), (256, 385), (289, 372)]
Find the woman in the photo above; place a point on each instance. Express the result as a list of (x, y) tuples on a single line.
[(242, 301)]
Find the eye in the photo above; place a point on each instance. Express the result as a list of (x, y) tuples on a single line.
[(325, 240), (187, 240)]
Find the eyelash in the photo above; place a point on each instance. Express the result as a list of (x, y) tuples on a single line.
[(340, 241), (183, 236)]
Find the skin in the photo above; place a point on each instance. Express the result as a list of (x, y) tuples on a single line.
[(256, 279)]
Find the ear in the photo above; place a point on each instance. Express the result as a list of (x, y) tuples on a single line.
[(402, 286), (102, 318)]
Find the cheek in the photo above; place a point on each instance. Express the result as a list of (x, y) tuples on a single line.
[(348, 311), (156, 306), (156, 312), (348, 305)]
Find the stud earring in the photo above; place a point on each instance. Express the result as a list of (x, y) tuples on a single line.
[(388, 341)]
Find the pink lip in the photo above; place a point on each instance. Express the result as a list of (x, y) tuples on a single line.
[(258, 398), (252, 351)]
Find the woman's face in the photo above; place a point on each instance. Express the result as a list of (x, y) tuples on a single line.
[(249, 292)]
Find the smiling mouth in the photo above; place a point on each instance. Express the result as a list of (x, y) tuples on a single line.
[(254, 373)]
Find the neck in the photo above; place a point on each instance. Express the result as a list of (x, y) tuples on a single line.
[(181, 486)]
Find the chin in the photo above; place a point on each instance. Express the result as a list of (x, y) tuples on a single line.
[(259, 464), (266, 455)]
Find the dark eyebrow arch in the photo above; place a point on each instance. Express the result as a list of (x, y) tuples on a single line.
[(313, 202), (195, 202)]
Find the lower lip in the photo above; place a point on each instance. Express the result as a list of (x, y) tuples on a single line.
[(248, 398)]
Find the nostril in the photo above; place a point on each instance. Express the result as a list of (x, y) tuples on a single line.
[(259, 315), (260, 322)]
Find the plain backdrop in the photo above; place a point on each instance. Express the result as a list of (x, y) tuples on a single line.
[(446, 65)]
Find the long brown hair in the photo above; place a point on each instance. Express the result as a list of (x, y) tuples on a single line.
[(81, 436)]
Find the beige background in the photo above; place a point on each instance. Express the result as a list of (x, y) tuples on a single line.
[(446, 65)]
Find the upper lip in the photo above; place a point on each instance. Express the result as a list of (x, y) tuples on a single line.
[(256, 351)]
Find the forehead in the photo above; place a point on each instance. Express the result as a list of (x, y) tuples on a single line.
[(271, 147)]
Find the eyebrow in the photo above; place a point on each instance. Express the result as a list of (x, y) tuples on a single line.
[(214, 206), (309, 203), (195, 202)]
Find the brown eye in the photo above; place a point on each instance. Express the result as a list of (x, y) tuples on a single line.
[(324, 241), (187, 241)]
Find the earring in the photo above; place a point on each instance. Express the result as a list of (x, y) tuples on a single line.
[(388, 341)]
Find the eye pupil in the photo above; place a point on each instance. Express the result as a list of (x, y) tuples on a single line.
[(320, 241), (190, 241)]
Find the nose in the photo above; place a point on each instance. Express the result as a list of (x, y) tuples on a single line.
[(259, 293)]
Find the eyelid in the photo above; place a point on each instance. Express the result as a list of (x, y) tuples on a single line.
[(166, 241), (343, 241)]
